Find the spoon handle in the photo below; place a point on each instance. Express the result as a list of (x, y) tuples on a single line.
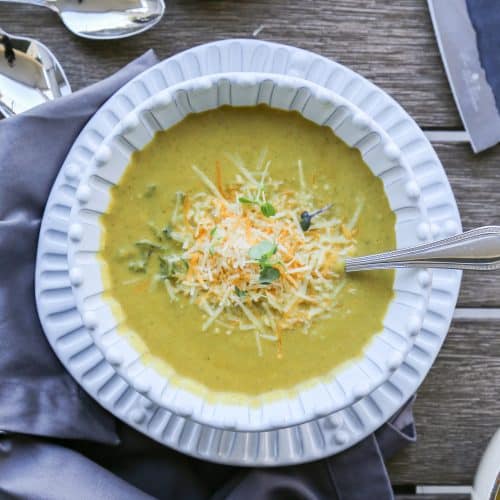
[(478, 249)]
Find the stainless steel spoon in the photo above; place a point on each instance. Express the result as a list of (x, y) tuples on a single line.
[(29, 74), (478, 249), (104, 19)]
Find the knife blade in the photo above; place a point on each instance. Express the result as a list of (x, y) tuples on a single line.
[(474, 98)]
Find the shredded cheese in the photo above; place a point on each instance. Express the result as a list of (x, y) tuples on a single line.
[(216, 232)]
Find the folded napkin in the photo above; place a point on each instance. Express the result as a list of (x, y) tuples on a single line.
[(56, 442)]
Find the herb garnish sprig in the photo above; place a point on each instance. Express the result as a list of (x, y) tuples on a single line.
[(265, 207), (306, 217), (169, 264), (263, 253)]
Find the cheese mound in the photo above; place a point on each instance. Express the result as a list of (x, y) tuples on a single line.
[(245, 260)]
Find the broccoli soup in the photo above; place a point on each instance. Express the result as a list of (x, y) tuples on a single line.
[(223, 250)]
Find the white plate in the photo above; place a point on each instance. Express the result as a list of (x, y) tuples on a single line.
[(330, 393), (77, 350)]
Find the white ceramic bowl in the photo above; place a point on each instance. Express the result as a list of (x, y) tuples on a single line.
[(341, 388)]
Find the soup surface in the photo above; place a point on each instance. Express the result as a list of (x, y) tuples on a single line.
[(215, 267)]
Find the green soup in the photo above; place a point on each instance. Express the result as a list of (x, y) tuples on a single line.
[(218, 358)]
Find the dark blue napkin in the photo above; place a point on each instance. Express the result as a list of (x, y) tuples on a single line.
[(57, 443), (485, 17)]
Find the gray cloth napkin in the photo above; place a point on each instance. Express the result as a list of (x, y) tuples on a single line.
[(59, 444), (37, 395)]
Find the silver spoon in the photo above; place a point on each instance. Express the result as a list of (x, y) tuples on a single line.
[(104, 19), (478, 249), (29, 74)]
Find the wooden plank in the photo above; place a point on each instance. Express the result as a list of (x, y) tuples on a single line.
[(457, 409), (392, 43), (475, 183), (474, 180)]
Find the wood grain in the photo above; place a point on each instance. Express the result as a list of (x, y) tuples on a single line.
[(457, 409), (475, 183), (392, 43)]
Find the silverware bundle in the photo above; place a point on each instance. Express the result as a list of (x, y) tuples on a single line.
[(30, 74)]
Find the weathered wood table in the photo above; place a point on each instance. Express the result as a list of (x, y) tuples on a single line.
[(393, 44)]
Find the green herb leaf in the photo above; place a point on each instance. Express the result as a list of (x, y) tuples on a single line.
[(146, 248), (267, 209), (213, 231), (167, 232), (166, 268), (248, 201), (263, 250), (172, 265), (148, 245), (268, 274), (150, 190), (239, 293), (158, 234)]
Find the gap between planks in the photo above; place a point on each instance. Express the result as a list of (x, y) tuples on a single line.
[(449, 136), (443, 489)]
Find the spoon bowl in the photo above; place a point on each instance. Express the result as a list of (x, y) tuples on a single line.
[(104, 19)]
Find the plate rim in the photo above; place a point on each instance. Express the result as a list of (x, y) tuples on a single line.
[(340, 443), (353, 378)]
